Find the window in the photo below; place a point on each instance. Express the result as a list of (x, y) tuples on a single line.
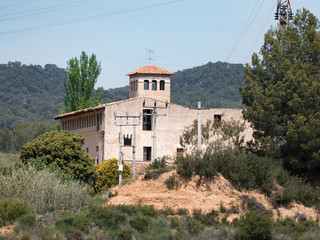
[(136, 84), (97, 154), (146, 153), (162, 83), (98, 122), (217, 118), (147, 119), (127, 140), (180, 151), (154, 85), (87, 150), (146, 85)]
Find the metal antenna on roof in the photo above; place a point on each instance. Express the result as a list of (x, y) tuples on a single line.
[(150, 55)]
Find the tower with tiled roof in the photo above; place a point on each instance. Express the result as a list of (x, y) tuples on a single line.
[(150, 81)]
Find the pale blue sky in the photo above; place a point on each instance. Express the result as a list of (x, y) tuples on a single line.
[(183, 34)]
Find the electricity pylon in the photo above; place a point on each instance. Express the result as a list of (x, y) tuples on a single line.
[(284, 12)]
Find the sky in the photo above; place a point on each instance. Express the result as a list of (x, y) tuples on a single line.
[(128, 34)]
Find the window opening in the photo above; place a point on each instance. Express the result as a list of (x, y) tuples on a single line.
[(146, 84), (162, 85), (97, 154), (127, 140), (154, 85), (180, 151), (98, 122), (146, 153), (217, 118), (147, 119)]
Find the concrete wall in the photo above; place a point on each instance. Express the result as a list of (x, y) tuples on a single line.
[(171, 123)]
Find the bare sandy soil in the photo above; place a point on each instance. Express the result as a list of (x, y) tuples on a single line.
[(210, 195)]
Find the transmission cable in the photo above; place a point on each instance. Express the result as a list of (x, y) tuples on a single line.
[(46, 9), (245, 28), (258, 37), (106, 15)]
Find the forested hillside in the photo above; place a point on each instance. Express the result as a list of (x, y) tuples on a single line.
[(214, 84), (29, 93), (35, 93)]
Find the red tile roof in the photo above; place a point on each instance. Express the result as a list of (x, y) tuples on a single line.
[(150, 70)]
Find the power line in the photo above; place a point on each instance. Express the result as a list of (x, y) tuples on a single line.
[(259, 35), (245, 28), (84, 19), (16, 4), (45, 9)]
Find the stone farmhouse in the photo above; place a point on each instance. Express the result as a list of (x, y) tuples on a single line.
[(143, 127)]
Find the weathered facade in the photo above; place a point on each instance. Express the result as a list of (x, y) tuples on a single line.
[(149, 99)]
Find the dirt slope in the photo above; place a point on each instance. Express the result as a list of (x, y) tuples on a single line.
[(208, 196)]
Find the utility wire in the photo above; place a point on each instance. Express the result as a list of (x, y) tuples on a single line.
[(16, 4), (45, 9), (87, 18), (259, 35), (245, 28)]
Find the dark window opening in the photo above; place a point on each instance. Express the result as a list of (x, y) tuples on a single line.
[(217, 118), (98, 122), (127, 140), (146, 153), (154, 85), (97, 153), (162, 83), (147, 119), (87, 150), (180, 150), (146, 84)]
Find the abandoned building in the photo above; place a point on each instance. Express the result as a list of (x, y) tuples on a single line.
[(147, 120)]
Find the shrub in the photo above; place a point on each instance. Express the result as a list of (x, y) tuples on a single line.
[(185, 165), (158, 163), (148, 210), (295, 189), (206, 165), (12, 209), (171, 182), (182, 211), (107, 175), (140, 222), (194, 226), (43, 189), (255, 225), (62, 148)]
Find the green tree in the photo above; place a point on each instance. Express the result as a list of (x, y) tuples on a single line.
[(62, 149), (26, 132), (81, 77), (283, 93), (6, 140)]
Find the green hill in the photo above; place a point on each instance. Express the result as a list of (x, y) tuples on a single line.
[(35, 93), (214, 84)]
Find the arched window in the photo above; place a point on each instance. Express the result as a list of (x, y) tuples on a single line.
[(154, 85), (146, 84), (162, 85)]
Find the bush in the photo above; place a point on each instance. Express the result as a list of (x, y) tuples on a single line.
[(107, 175), (12, 209), (43, 189), (171, 182), (255, 225), (158, 163), (194, 226), (185, 165), (62, 148), (140, 222)]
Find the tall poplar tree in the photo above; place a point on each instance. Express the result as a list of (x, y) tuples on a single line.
[(81, 77), (283, 93)]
